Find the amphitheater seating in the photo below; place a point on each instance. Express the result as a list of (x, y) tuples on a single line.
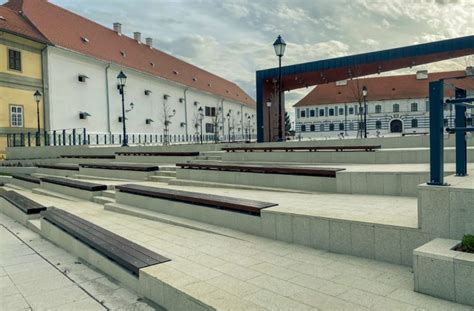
[(71, 183), (24, 204), (125, 253), (310, 148), (67, 167), (28, 178), (159, 154), (88, 156), (123, 167)]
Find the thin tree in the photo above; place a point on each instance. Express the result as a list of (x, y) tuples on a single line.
[(356, 88), (168, 114)]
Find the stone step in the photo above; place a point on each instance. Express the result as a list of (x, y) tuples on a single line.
[(166, 173), (164, 179), (103, 200), (34, 225), (53, 194), (168, 168), (109, 194)]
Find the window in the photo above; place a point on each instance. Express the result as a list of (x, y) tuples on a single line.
[(341, 126), (361, 125), (303, 113), (361, 110), (378, 109), (414, 123), (312, 128), (396, 108), (207, 111), (213, 111), (331, 127), (351, 126), (331, 112), (469, 121), (209, 128), (16, 116), (414, 107), (311, 113), (378, 125), (445, 122), (210, 111), (14, 60), (341, 111), (321, 128), (351, 110), (303, 128), (321, 112)]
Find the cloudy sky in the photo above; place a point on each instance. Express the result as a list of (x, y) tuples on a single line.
[(233, 38)]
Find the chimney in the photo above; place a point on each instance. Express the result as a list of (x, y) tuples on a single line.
[(422, 74), (118, 28), (137, 36), (149, 42), (469, 71)]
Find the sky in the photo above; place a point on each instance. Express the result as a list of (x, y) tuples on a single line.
[(233, 38)]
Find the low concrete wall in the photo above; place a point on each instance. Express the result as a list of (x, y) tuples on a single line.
[(296, 182), (78, 193), (153, 159), (23, 183), (119, 174), (15, 213), (17, 170), (444, 273), (55, 172)]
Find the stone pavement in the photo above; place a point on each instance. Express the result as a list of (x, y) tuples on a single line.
[(36, 275), (235, 271)]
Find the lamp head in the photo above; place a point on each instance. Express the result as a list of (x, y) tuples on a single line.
[(37, 96), (121, 78), (279, 45)]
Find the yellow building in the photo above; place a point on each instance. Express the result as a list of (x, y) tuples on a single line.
[(21, 75)]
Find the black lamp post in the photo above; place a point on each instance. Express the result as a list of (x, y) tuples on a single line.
[(201, 117), (37, 97), (279, 45), (249, 118), (269, 106), (228, 124), (122, 79), (364, 94)]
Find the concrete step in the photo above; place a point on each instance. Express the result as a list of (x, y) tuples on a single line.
[(166, 173), (91, 177), (168, 168), (109, 194), (34, 225), (53, 194), (103, 200), (164, 179)]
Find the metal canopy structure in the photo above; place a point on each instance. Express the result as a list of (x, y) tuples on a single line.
[(341, 68)]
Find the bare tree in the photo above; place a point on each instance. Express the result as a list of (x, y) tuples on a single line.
[(356, 88), (217, 118), (168, 114)]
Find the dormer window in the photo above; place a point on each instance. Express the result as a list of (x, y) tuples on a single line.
[(149, 121), (209, 84), (147, 92), (195, 79), (166, 96), (82, 78), (123, 53), (175, 72), (84, 40), (83, 115), (152, 64), (2, 18)]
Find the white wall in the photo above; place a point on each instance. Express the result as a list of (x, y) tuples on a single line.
[(68, 97)]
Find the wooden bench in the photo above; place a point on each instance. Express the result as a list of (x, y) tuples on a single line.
[(66, 167), (87, 156), (27, 178), (260, 169), (24, 204), (159, 154), (123, 167), (209, 200), (125, 253), (71, 183), (309, 149)]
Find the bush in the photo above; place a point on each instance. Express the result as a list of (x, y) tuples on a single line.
[(468, 243)]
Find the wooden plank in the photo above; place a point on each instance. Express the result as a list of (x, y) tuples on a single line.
[(23, 203), (300, 148), (87, 156), (209, 200), (66, 167), (160, 154), (28, 178), (123, 167), (83, 185)]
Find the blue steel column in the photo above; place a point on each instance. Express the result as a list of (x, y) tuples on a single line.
[(436, 133), (260, 125), (461, 146)]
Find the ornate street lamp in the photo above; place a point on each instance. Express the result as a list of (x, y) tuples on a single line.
[(279, 45), (37, 96), (364, 94), (201, 117), (228, 124), (122, 79)]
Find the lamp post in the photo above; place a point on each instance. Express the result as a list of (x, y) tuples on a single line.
[(269, 106), (228, 124), (249, 118), (37, 97), (201, 117), (279, 45), (364, 94), (122, 79)]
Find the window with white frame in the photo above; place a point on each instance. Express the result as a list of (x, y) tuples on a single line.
[(378, 109), (16, 116)]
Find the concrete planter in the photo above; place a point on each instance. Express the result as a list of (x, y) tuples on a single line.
[(443, 272)]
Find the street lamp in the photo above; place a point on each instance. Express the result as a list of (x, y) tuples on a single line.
[(201, 117), (122, 79), (364, 94), (279, 45), (269, 106), (37, 96), (248, 118), (228, 124)]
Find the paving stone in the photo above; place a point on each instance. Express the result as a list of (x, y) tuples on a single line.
[(273, 301)]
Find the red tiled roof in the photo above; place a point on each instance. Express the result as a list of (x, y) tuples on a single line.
[(379, 88), (65, 29), (13, 22)]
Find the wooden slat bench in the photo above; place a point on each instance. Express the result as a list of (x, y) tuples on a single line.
[(66, 167), (71, 183), (27, 178), (24, 204), (282, 170), (88, 156), (123, 167), (209, 200), (160, 154), (309, 149), (125, 253)]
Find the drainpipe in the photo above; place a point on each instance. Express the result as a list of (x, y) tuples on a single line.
[(107, 96), (44, 77), (186, 111)]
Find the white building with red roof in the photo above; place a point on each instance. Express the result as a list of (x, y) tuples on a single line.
[(395, 105), (83, 59)]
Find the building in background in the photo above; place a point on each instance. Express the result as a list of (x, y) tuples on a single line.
[(395, 105), (84, 59), (21, 75)]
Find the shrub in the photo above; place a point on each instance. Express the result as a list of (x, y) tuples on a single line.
[(468, 243)]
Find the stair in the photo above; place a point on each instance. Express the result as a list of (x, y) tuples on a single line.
[(166, 173), (164, 179), (103, 200), (109, 194), (34, 225), (54, 194)]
